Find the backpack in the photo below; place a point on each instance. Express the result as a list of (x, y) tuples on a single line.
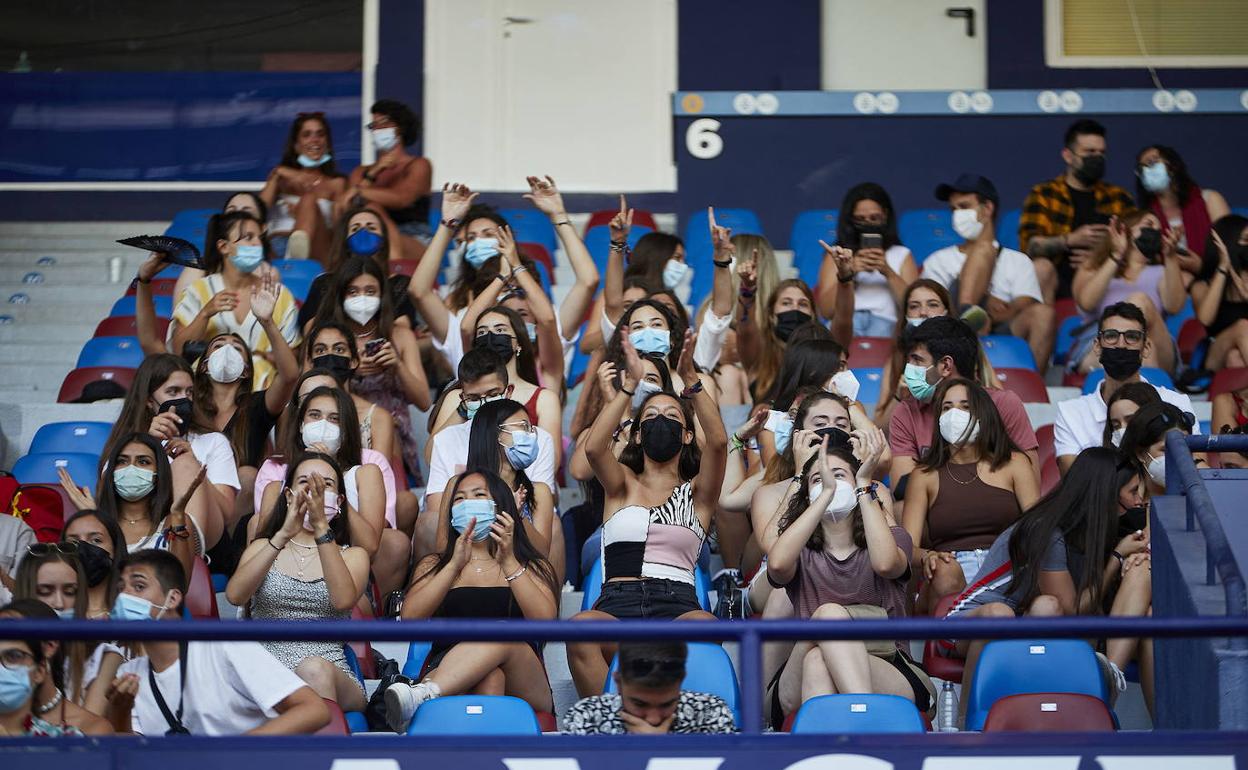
[(41, 508)]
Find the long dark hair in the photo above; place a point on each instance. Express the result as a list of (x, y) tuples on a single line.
[(114, 534), (522, 548), (526, 359), (471, 280), (993, 444), (221, 227), (846, 233), (809, 363), (1139, 393), (158, 502), (783, 465), (201, 389), (339, 252), (632, 456), (484, 451), (348, 271), (290, 155), (25, 580), (615, 346), (338, 525), (649, 256), (1150, 423), (255, 199), (1083, 511), (1228, 229), (800, 500), (1180, 178), (766, 370), (291, 440), (136, 416)]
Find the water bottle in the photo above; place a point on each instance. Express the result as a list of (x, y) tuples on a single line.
[(947, 709)]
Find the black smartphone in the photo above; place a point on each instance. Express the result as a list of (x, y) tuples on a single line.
[(871, 241), (373, 347)]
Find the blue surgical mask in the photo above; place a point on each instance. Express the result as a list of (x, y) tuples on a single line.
[(480, 250), (15, 688), (523, 449), (131, 607), (307, 162), (650, 340), (133, 483), (644, 390), (673, 272), (247, 257), (471, 406), (364, 243), (1156, 177), (916, 321), (916, 382), (531, 328), (781, 426), (465, 510), (65, 614)]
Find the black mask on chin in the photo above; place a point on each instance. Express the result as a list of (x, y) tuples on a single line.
[(661, 438), (788, 321), (182, 407), (339, 366), (96, 563), (1091, 169), (1120, 363)]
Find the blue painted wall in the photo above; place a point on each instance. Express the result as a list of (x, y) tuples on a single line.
[(727, 45)]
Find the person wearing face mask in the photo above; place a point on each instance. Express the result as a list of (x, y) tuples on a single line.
[(923, 299), (1121, 344), (487, 570), (330, 350), (840, 556), (996, 288), (969, 487), (1121, 408), (234, 294), (23, 670), (397, 182), (100, 544), (200, 688), (1145, 439), (299, 192), (1220, 294), (1164, 186), (939, 349), (660, 497), (302, 566), (763, 345), (1140, 266), (1064, 219)]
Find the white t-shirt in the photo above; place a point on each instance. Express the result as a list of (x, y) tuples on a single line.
[(1013, 277), (231, 687), (450, 454), (871, 291), (710, 342), (452, 348), (1081, 421), (213, 450)]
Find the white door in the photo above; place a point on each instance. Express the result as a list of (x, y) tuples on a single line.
[(904, 45), (580, 91)]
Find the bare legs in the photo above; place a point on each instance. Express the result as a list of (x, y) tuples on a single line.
[(331, 682), (494, 668), (590, 661), (1035, 323)]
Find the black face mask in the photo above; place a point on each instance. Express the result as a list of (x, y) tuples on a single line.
[(182, 407), (1091, 169), (1149, 243), (502, 344), (661, 438), (1239, 256), (788, 321), (1132, 520), (96, 563), (1120, 363), (836, 437), (193, 350), (339, 366)]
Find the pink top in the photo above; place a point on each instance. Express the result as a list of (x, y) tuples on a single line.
[(274, 470), (911, 428)]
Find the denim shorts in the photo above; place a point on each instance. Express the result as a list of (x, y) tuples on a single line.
[(647, 598), (868, 324), (971, 562)]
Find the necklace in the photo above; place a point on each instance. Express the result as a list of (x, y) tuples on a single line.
[(301, 558), (56, 699), (480, 570), (974, 474), (134, 521)]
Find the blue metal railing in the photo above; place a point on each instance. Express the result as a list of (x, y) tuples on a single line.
[(1182, 477), (750, 634)]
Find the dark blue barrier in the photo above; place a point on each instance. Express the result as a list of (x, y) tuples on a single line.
[(175, 126)]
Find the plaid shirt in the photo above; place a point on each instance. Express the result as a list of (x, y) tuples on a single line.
[(1049, 210)]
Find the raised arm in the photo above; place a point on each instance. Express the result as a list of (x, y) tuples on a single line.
[(544, 194), (346, 573), (598, 441), (1207, 297), (259, 556), (263, 300), (1091, 279), (456, 200), (549, 346), (887, 559), (1173, 292), (710, 478), (145, 307), (532, 594), (613, 288)]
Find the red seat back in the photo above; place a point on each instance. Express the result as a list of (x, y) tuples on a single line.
[(1026, 383), (363, 650), (1228, 381), (538, 253), (1050, 475), (201, 599), (404, 266), (640, 218), (337, 720), (1050, 712), (1063, 309), (935, 662), (126, 326), (870, 352), (75, 381), (1191, 333)]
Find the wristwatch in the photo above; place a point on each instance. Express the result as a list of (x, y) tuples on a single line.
[(328, 537)]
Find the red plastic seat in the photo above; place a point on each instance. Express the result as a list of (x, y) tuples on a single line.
[(1228, 381), (1028, 384), (75, 381), (604, 217), (403, 266), (1063, 309), (161, 287), (363, 650), (201, 598), (1049, 712), (870, 352), (935, 663), (538, 253), (1046, 453), (1191, 334), (337, 720), (126, 326)]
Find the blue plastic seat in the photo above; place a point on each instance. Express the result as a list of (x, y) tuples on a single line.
[(40, 468), (1007, 351), (291, 269), (924, 231), (297, 285), (86, 437), (871, 382), (1152, 375), (598, 242), (1015, 666), (191, 225), (592, 586), (809, 228), (708, 669), (839, 714), (417, 653), (125, 306), (475, 715), (698, 244), (1007, 228), (531, 226), (1175, 322), (111, 351), (1066, 338), (356, 721)]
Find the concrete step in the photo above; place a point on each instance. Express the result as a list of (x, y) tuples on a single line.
[(86, 293), (75, 329), (49, 352), (116, 229), (79, 242), (44, 376)]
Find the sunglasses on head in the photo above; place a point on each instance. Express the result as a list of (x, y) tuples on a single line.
[(68, 548)]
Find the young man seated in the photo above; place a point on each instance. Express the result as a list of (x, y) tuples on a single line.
[(649, 700), (199, 688), (1121, 344)]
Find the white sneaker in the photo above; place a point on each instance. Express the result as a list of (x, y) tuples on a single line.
[(297, 245), (402, 700)]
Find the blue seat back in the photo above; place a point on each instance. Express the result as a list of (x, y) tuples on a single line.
[(125, 306), (1066, 338), (592, 586), (293, 269), (85, 437), (870, 381), (475, 715), (832, 714), (417, 653), (708, 669), (809, 228), (297, 285), (191, 225), (40, 468), (1007, 228), (1175, 322), (698, 244), (1152, 375), (1015, 666), (924, 231), (1010, 352), (111, 351), (531, 226)]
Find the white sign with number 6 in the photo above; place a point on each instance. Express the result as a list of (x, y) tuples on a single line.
[(702, 139)]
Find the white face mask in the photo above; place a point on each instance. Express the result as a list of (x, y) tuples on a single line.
[(322, 432), (956, 427), (644, 389), (673, 272), (1115, 438), (843, 500), (846, 384), (226, 364), (1157, 469), (384, 139), (361, 308), (966, 223)]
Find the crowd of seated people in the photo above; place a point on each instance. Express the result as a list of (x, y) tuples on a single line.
[(278, 442)]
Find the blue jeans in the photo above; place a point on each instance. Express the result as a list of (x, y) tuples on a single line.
[(868, 324)]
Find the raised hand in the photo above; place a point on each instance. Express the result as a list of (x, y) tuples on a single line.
[(79, 496), (842, 257), (123, 691), (314, 504), (805, 444), (385, 357), (463, 546), (154, 263), (868, 446), (165, 426), (622, 223), (1170, 242), (827, 470), (293, 523), (606, 379), (684, 365), (456, 200), (177, 513), (544, 194), (747, 271), (507, 247), (264, 298), (221, 302), (502, 532), (754, 425), (1119, 238), (721, 237), (633, 372)]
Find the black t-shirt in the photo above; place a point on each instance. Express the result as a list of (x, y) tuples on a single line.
[(1084, 202), (259, 423), (397, 284)]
